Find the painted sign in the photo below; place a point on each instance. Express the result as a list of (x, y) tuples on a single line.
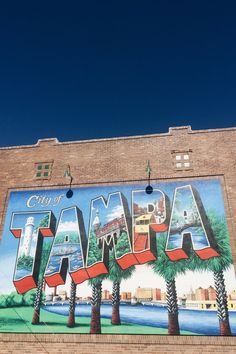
[(115, 259)]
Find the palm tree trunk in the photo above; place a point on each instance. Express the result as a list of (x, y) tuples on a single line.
[(95, 325), (71, 317), (172, 307), (115, 319), (222, 305), (37, 302)]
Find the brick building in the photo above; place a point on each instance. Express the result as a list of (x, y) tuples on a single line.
[(201, 294), (211, 293), (125, 295), (105, 295), (156, 294), (181, 154)]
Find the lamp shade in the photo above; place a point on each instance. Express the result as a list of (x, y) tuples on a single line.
[(67, 172)]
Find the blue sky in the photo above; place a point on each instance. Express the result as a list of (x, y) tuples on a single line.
[(92, 69)]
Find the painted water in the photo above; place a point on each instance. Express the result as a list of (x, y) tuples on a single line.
[(203, 322)]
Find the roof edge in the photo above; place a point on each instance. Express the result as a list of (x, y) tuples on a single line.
[(172, 131)]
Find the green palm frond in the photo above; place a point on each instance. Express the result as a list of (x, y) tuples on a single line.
[(97, 280), (116, 273), (169, 270), (163, 266)]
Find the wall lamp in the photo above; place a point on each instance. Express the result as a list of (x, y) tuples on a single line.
[(149, 188), (68, 175)]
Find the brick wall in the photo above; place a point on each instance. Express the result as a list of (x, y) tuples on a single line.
[(107, 344), (122, 160)]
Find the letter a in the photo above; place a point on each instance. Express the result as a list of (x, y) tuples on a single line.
[(67, 250), (189, 226)]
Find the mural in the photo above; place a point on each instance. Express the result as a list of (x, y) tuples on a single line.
[(115, 259)]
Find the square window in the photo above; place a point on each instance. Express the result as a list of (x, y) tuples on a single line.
[(182, 159), (43, 170)]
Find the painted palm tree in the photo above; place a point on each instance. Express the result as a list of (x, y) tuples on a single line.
[(116, 275), (218, 265), (43, 263), (95, 254), (95, 324), (71, 316), (37, 303), (164, 267)]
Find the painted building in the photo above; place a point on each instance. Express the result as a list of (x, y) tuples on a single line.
[(105, 295), (201, 294), (50, 240), (232, 295), (211, 293), (28, 236), (156, 294), (126, 296), (144, 294)]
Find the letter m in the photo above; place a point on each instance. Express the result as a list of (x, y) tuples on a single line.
[(109, 228)]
